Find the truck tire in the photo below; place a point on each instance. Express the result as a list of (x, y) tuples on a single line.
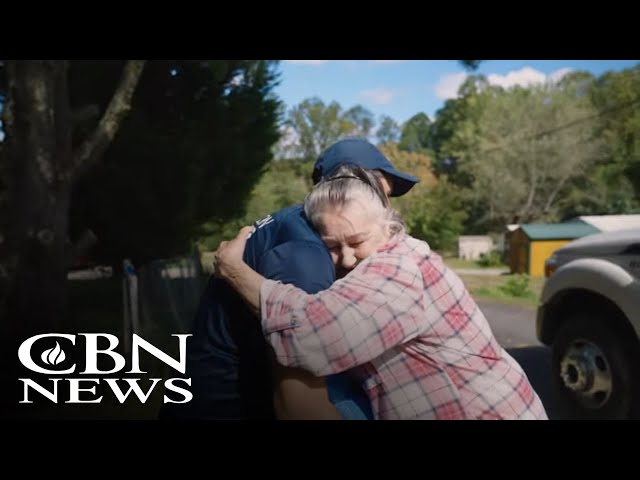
[(595, 369)]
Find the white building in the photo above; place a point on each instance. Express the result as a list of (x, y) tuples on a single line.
[(611, 223), (470, 247)]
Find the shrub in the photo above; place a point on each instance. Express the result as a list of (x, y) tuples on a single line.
[(517, 286), (491, 259)]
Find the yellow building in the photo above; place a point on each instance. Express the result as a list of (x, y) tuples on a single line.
[(530, 245)]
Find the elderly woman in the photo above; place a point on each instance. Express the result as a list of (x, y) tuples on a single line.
[(400, 321)]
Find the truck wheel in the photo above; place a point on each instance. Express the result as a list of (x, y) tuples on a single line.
[(594, 369)]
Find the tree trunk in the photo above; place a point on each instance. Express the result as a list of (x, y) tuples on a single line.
[(38, 149), (41, 168), (38, 154), (40, 174)]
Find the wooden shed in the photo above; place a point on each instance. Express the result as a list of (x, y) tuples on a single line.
[(531, 244)]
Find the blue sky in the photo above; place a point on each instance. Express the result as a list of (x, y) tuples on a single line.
[(402, 88)]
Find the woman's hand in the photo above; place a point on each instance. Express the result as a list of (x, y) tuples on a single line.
[(228, 256)]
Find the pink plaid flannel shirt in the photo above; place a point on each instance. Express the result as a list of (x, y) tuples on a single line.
[(406, 327)]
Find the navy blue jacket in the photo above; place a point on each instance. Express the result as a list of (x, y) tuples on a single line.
[(228, 360)]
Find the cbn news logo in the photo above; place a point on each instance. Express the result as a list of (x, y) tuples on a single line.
[(54, 356)]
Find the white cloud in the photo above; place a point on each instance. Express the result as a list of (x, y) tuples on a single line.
[(379, 96), (314, 63), (448, 85), (525, 77)]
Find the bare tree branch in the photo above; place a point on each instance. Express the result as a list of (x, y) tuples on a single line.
[(531, 170), (555, 191), (91, 149)]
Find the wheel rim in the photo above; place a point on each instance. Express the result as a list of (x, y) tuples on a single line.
[(586, 373)]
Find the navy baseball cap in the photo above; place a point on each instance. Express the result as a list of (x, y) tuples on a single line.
[(360, 152)]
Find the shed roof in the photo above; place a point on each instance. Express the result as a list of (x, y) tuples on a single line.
[(558, 231)]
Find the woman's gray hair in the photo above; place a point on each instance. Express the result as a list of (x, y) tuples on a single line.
[(345, 185)]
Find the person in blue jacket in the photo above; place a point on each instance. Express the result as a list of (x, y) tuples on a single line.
[(233, 375)]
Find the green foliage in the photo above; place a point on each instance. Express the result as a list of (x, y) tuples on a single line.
[(470, 64), (419, 164), (617, 97), (523, 149), (517, 286), (187, 161), (416, 134), (433, 214), (362, 119), (191, 150), (317, 126), (542, 153), (389, 131), (432, 210), (458, 119), (284, 183), (603, 190), (491, 259)]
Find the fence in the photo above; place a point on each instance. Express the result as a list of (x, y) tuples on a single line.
[(161, 298)]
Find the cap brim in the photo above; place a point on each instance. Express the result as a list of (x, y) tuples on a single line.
[(402, 182)]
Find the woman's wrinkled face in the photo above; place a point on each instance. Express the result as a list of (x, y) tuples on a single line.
[(352, 233)]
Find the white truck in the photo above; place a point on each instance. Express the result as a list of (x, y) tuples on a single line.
[(589, 313)]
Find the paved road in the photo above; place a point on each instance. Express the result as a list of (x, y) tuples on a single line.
[(514, 327)]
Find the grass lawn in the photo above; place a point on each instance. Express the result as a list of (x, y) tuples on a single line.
[(492, 287), (457, 263), (488, 287)]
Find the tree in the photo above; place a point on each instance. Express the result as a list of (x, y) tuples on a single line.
[(458, 113), (617, 97), (42, 165), (191, 149), (315, 126), (602, 190), (525, 149), (608, 186), (362, 119), (419, 164), (196, 142), (435, 214), (470, 64), (432, 210), (416, 135), (284, 183), (389, 130)]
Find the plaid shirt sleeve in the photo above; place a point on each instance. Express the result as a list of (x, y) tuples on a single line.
[(379, 305)]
